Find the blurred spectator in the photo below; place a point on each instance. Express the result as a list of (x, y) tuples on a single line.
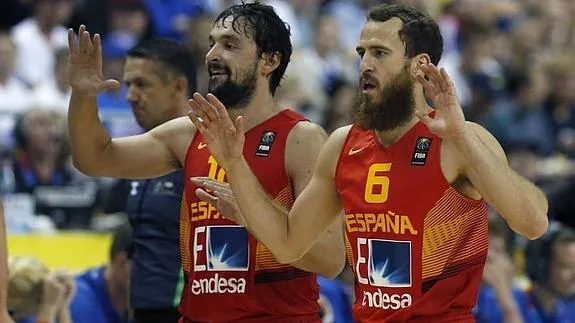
[(197, 40), (550, 264), (499, 298), (54, 93), (313, 70), (335, 305), (41, 169), (561, 103), (36, 294), (38, 37), (102, 292), (114, 49), (12, 91), (171, 18)]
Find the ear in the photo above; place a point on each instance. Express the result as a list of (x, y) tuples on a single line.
[(271, 61), (417, 61), (181, 85)]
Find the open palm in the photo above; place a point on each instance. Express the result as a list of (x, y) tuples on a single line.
[(85, 63), (448, 120), (224, 138)]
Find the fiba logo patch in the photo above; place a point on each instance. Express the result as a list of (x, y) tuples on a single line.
[(265, 145), (422, 146)]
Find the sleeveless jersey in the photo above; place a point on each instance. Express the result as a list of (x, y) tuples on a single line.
[(229, 275), (417, 246)]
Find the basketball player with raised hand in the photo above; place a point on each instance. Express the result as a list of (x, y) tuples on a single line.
[(412, 180), (229, 275)]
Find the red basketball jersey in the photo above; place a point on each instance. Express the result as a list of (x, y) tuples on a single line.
[(417, 246), (229, 275)]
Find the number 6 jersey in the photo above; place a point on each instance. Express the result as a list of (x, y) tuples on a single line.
[(417, 246), (229, 275)]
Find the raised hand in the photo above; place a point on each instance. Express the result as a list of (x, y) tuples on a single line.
[(224, 138), (449, 120), (220, 195), (85, 64)]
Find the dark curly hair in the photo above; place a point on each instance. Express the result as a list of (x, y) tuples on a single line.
[(270, 33), (420, 32)]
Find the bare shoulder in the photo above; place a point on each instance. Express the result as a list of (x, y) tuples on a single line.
[(306, 134), (177, 134), (331, 150)]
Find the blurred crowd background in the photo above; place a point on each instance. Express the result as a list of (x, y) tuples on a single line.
[(512, 62)]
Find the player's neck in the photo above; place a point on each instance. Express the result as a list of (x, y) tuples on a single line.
[(261, 107)]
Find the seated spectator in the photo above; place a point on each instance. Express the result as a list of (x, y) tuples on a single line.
[(102, 292), (550, 264), (13, 92), (54, 93), (36, 294), (98, 295), (41, 169), (499, 300)]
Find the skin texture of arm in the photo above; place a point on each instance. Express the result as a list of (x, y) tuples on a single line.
[(520, 202), (314, 211), (327, 256)]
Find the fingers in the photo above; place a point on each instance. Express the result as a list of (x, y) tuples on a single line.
[(209, 110), (428, 87), (72, 42), (240, 125), (197, 116), (432, 72), (98, 47), (108, 85), (222, 113), (206, 197), (192, 115), (211, 184), (448, 82)]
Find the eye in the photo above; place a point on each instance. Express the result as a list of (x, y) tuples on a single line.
[(379, 53)]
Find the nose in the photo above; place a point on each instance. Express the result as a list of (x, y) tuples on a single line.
[(213, 55), (132, 95), (366, 64)]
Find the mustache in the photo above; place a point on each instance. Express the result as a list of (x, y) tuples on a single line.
[(216, 66), (366, 77)]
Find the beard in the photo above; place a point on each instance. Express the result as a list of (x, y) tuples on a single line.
[(395, 107), (233, 95)]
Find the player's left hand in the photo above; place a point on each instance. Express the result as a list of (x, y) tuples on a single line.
[(220, 195), (449, 120)]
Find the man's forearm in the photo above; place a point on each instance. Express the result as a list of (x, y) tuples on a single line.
[(88, 138), (262, 216), (520, 202)]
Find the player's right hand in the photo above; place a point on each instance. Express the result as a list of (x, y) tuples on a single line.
[(85, 64), (224, 137), (220, 195)]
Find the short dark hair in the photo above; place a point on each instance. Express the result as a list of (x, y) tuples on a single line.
[(270, 33), (420, 32), (122, 241), (174, 56)]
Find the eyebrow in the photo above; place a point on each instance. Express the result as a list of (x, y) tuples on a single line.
[(224, 37), (380, 47)]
